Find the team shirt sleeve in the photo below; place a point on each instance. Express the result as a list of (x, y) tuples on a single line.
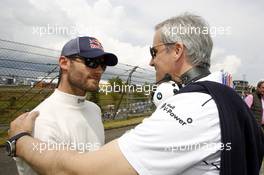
[(183, 131)]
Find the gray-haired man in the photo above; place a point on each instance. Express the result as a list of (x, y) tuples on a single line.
[(182, 136)]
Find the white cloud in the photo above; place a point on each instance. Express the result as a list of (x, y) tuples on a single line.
[(127, 53), (126, 27), (106, 22), (230, 64)]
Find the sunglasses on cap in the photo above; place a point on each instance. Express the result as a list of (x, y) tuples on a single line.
[(153, 51), (90, 62)]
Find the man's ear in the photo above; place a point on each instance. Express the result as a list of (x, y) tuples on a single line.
[(64, 63), (178, 51)]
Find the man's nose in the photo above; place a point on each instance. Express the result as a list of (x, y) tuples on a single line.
[(151, 63), (98, 70)]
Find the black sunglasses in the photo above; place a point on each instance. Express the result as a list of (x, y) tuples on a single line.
[(153, 51), (91, 62)]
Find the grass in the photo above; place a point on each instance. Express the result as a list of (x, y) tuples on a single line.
[(3, 137), (107, 125), (122, 123), (11, 105)]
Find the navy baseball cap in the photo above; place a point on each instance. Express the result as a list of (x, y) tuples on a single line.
[(88, 47)]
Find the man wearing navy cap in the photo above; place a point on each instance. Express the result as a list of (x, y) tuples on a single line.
[(67, 120), (204, 128)]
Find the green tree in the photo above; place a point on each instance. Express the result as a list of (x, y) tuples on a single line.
[(95, 97), (115, 81), (116, 86)]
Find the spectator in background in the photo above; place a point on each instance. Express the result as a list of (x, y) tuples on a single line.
[(255, 102)]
